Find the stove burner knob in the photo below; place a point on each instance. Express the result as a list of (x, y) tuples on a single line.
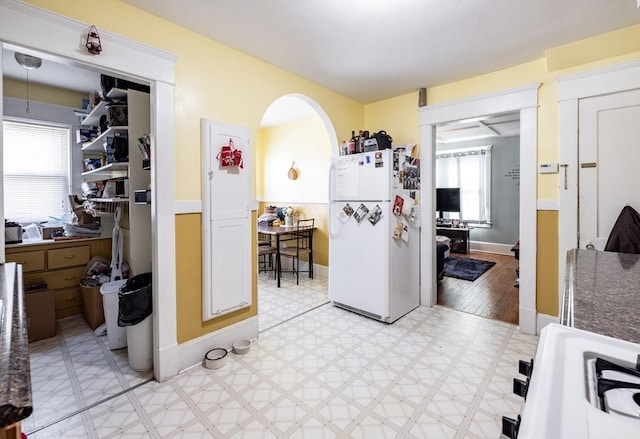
[(510, 427), (521, 388), (525, 368)]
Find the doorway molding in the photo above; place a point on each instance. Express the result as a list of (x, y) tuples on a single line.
[(572, 88), (525, 100), (60, 38)]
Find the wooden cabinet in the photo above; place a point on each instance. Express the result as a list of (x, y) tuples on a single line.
[(67, 257), (459, 238), (59, 264), (30, 260)]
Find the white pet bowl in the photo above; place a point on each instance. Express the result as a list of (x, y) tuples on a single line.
[(241, 346), (215, 358)]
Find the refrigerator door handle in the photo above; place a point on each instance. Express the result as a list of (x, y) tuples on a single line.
[(331, 186)]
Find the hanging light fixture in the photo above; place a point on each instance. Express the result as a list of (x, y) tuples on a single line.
[(93, 41), (29, 63)]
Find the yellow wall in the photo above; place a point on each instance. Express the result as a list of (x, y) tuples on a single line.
[(304, 142), (547, 261), (215, 82), (397, 116), (42, 93)]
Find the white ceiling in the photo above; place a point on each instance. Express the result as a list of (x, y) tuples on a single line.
[(375, 49), (491, 126), (371, 49), (52, 72)]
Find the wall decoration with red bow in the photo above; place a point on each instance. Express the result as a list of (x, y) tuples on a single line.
[(230, 156)]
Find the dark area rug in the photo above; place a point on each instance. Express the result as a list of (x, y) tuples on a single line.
[(466, 268)]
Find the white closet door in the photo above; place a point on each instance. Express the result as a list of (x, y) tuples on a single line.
[(609, 154), (226, 222)]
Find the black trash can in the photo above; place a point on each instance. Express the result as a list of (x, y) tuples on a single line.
[(134, 300), (134, 312)]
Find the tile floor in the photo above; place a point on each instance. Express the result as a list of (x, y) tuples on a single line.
[(74, 370), (435, 373), (276, 305)]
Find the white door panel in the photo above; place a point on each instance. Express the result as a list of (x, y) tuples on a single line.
[(609, 163), (364, 176), (226, 222), (359, 255)]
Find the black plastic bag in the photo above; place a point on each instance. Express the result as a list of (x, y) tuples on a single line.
[(384, 140), (134, 300)]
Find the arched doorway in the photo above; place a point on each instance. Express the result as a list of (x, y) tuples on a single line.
[(295, 133)]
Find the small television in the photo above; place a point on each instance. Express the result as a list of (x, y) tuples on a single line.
[(447, 200)]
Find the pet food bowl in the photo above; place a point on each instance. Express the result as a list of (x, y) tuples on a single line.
[(215, 358), (241, 346)]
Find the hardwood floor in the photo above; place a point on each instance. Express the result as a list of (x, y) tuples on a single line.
[(492, 295)]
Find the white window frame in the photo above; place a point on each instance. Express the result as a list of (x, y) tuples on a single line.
[(485, 200)]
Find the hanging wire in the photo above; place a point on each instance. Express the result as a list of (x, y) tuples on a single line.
[(28, 111)]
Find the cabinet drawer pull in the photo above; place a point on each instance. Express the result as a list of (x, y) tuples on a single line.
[(69, 277), (70, 299), (70, 256)]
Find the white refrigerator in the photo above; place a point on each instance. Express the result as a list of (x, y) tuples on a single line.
[(374, 259)]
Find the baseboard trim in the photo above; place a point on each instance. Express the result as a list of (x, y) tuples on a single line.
[(544, 320), (166, 363), (192, 352), (528, 321), (491, 247)]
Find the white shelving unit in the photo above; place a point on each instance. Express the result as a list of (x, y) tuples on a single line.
[(135, 223), (107, 172), (93, 118), (97, 144)]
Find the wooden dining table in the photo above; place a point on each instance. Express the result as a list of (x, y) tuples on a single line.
[(278, 232)]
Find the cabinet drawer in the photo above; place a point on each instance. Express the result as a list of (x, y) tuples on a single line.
[(68, 257), (68, 302), (57, 279), (31, 261)]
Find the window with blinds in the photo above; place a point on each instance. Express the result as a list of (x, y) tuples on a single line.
[(470, 170), (36, 171)]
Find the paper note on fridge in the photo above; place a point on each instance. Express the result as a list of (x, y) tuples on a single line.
[(346, 178)]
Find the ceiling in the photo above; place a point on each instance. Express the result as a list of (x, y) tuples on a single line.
[(485, 127), (52, 72), (371, 50), (375, 49)]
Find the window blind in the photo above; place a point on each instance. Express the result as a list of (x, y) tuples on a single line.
[(36, 171), (470, 170)]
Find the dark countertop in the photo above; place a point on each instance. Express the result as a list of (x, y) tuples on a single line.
[(15, 374), (602, 293)]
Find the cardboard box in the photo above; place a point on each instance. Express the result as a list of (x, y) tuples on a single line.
[(40, 307), (48, 231), (92, 308)]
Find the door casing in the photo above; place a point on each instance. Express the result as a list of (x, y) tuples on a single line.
[(571, 88), (525, 100)]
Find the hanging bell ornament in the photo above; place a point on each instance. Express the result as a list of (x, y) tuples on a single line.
[(93, 41)]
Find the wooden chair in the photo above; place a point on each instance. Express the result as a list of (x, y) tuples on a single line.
[(303, 239)]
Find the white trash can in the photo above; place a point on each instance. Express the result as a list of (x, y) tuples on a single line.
[(140, 345), (116, 336)]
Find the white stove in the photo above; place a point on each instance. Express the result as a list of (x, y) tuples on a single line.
[(582, 386)]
